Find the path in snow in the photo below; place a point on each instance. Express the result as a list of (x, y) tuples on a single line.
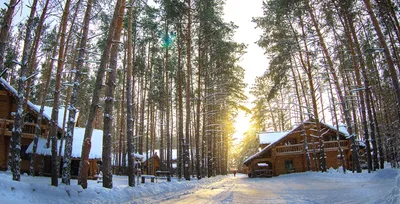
[(330, 187), (229, 190), (382, 186)]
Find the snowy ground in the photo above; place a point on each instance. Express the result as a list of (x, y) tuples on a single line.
[(310, 187)]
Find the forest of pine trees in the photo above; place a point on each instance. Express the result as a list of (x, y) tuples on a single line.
[(335, 61), (159, 74), (164, 75)]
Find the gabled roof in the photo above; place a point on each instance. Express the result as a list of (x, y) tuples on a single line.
[(281, 135)]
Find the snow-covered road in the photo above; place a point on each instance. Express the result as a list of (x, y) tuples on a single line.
[(307, 188), (382, 186), (238, 189)]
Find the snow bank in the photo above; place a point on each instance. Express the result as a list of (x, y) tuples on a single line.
[(393, 196), (34, 190)]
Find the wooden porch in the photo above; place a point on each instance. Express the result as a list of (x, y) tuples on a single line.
[(28, 130), (28, 133)]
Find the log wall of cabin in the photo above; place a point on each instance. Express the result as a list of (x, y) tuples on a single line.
[(280, 164), (5, 110), (151, 162), (4, 148), (334, 161), (5, 101)]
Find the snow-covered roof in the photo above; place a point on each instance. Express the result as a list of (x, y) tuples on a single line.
[(270, 137), (36, 108), (47, 113), (342, 130), (95, 151)]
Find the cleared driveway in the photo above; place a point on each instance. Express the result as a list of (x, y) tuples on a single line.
[(310, 187)]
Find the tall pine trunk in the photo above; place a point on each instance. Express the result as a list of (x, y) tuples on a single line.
[(181, 148), (53, 134), (188, 75), (109, 100), (166, 103), (35, 47), (74, 97), (18, 117), (304, 134), (129, 115), (43, 89), (361, 94), (386, 51), (197, 134), (38, 132), (83, 165), (308, 69), (369, 106)]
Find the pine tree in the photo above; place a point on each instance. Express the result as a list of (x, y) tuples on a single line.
[(188, 77), (105, 57), (57, 91), (129, 117), (82, 49), (18, 117), (109, 100)]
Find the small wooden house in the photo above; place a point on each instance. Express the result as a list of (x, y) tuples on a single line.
[(156, 161), (285, 152), (151, 165)]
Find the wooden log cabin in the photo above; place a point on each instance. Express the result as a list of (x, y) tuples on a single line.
[(154, 161), (284, 152), (151, 165), (8, 106)]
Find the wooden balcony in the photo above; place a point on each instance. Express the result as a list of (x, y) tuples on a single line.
[(28, 131), (298, 148), (289, 149)]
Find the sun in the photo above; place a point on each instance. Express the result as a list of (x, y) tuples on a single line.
[(242, 124)]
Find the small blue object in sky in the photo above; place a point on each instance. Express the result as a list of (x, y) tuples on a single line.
[(168, 39)]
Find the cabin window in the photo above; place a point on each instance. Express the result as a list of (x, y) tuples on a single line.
[(29, 118), (330, 138), (291, 142), (288, 164)]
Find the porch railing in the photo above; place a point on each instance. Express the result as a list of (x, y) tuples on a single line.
[(28, 129), (298, 148)]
